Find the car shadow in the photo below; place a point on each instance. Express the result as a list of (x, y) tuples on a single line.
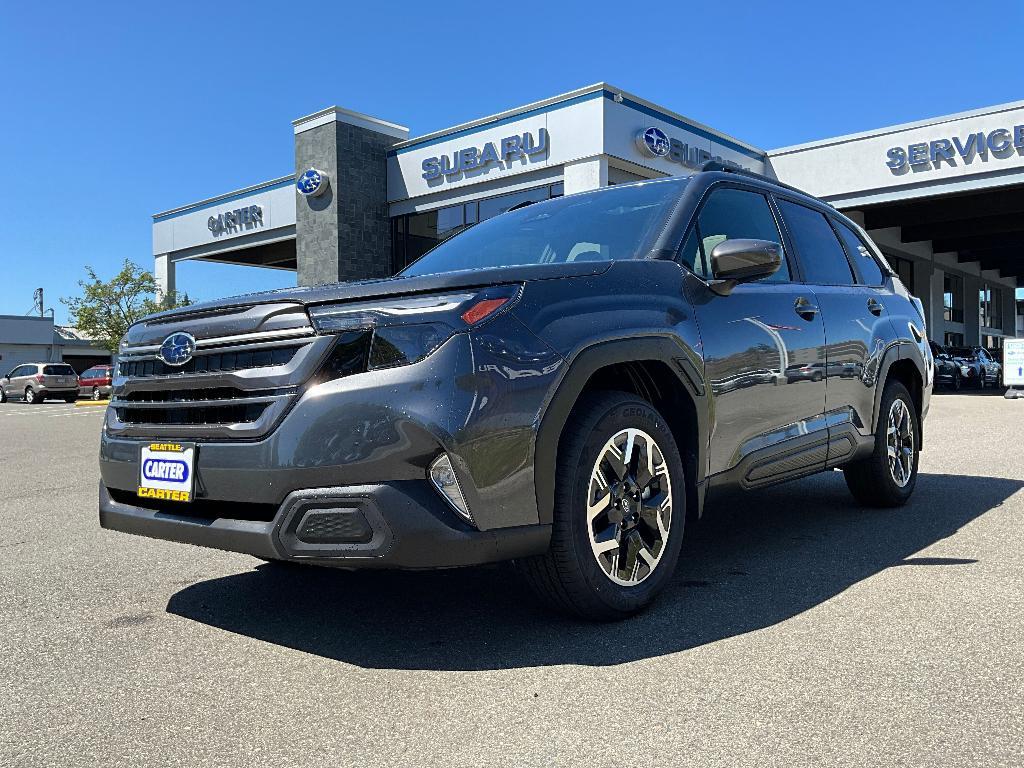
[(754, 561)]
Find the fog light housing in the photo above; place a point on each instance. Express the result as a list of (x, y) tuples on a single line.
[(442, 475)]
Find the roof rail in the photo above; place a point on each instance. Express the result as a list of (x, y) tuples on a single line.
[(718, 165)]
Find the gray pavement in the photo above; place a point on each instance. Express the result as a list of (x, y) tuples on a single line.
[(800, 630)]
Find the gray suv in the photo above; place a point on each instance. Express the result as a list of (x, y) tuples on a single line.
[(563, 386), (36, 382)]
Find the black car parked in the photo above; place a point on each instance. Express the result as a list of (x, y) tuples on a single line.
[(948, 369), (563, 385)]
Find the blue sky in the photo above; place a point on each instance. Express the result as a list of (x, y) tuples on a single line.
[(115, 111)]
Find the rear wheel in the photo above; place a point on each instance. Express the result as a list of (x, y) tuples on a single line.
[(31, 397), (96, 393), (71, 399), (620, 504), (887, 478), (3, 395)]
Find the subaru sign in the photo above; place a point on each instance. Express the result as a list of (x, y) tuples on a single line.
[(312, 183), (507, 150), (654, 142)]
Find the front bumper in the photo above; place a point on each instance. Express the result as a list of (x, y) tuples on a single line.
[(370, 436), (391, 525)]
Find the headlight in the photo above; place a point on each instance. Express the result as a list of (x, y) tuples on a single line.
[(408, 328)]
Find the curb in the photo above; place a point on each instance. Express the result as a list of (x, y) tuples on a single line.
[(87, 403)]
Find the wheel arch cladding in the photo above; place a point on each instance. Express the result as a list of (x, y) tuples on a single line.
[(901, 364), (656, 369)]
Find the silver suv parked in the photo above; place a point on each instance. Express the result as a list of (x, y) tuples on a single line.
[(36, 382)]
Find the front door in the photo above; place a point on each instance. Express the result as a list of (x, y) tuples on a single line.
[(763, 349)]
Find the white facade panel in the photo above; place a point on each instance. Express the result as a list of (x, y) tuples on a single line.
[(623, 123), (189, 228), (912, 161), (569, 132)]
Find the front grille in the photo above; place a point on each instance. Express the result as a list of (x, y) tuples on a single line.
[(211, 362), (233, 413), (195, 395)]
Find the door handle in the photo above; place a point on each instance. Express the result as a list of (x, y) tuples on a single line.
[(875, 307), (805, 309)]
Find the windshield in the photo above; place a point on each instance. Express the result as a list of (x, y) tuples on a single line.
[(604, 225), (962, 352)]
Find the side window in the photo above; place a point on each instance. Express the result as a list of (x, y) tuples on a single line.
[(821, 256), (691, 255), (859, 254), (730, 214)]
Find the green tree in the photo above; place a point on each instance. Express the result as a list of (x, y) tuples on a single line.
[(105, 309)]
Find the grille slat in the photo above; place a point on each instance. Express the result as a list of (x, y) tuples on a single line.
[(210, 362)]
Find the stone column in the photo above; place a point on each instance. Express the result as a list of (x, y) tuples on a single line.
[(345, 232)]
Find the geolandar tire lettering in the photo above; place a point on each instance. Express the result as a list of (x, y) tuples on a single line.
[(620, 506)]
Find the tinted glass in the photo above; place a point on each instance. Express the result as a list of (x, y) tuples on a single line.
[(58, 370), (870, 272), (731, 214), (821, 255), (691, 256), (605, 225)]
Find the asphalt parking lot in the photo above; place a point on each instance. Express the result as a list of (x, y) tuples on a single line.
[(799, 630)]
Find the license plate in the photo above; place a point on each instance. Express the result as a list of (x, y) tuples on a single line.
[(167, 471)]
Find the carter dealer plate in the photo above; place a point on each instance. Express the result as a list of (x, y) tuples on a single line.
[(166, 471)]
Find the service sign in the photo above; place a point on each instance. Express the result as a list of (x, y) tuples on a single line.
[(166, 471), (1013, 362)]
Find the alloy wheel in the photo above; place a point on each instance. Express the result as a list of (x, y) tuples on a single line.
[(95, 393), (30, 395), (900, 443), (629, 507)]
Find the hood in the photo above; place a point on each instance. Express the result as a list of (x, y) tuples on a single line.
[(283, 311)]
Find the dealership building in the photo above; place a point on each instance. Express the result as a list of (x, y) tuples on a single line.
[(943, 197)]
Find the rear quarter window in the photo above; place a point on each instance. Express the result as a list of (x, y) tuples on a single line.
[(860, 255)]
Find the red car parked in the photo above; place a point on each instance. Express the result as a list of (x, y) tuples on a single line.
[(96, 382)]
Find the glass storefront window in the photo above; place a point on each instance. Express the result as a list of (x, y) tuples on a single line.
[(990, 307), (904, 269), (953, 298), (416, 233)]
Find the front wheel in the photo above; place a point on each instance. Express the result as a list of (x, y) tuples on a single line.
[(956, 381), (887, 477), (3, 395), (620, 505), (983, 380)]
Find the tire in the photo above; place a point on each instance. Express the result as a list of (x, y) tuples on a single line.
[(96, 394), (3, 395), (576, 576), (983, 380), (31, 397), (71, 399), (875, 481), (957, 383)]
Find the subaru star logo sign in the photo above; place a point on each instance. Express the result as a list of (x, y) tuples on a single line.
[(312, 183), (178, 348), (653, 142)]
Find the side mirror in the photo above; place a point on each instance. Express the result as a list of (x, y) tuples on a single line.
[(743, 261)]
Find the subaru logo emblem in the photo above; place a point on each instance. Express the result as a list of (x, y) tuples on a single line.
[(178, 348), (312, 183), (653, 141)]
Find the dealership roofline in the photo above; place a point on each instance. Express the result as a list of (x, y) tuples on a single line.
[(554, 101), (342, 115), (889, 129), (226, 196)]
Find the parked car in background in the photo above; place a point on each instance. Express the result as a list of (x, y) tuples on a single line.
[(96, 383), (947, 368), (36, 382), (977, 367)]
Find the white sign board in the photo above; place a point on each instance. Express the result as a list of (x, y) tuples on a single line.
[(1013, 362)]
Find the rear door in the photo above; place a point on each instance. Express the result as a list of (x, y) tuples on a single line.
[(853, 307), (21, 378), (752, 340)]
